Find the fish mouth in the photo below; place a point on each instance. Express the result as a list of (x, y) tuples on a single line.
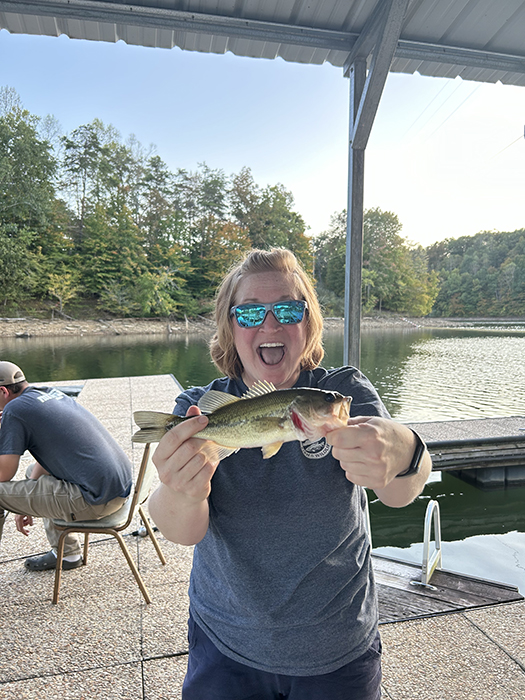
[(271, 353)]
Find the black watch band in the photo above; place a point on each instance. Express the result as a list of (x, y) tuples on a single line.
[(415, 464)]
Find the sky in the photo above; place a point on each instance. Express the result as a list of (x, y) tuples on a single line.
[(446, 156)]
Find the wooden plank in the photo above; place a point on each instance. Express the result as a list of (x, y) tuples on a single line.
[(400, 598)]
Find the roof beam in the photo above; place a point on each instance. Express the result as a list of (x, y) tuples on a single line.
[(161, 18), (280, 33), (474, 58), (378, 40)]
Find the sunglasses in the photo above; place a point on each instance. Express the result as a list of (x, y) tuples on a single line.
[(252, 315)]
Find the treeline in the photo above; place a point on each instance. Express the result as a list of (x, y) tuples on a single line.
[(481, 275), (88, 219), (86, 216)]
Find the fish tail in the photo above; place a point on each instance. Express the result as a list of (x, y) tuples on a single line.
[(153, 425)]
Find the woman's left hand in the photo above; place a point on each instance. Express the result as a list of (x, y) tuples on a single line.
[(372, 451)]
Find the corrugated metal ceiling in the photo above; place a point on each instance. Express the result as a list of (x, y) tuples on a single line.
[(479, 40)]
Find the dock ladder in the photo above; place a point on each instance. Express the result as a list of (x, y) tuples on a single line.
[(430, 562), (433, 561)]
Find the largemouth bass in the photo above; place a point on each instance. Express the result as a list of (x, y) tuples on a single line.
[(264, 417)]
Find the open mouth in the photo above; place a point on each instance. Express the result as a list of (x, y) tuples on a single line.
[(271, 353)]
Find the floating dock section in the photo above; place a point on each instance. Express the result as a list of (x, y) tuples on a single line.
[(487, 452)]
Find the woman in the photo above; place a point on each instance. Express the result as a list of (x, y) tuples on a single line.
[(282, 598)]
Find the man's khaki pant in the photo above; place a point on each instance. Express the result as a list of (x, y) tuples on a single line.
[(50, 498)]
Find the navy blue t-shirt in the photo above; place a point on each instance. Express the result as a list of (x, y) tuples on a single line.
[(68, 441), (282, 580)]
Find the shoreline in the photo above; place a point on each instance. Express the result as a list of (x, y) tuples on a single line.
[(27, 327)]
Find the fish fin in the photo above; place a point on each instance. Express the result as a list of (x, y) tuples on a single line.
[(217, 452), (148, 435), (260, 388), (152, 424), (151, 419), (212, 400), (271, 449)]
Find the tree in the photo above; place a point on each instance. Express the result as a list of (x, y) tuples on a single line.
[(9, 101), (82, 168), (63, 287), (26, 171), (244, 198), (28, 207), (111, 251), (15, 264), (395, 275)]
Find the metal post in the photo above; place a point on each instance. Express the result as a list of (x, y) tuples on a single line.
[(354, 224)]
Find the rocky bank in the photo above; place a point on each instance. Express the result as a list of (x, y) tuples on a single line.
[(26, 327)]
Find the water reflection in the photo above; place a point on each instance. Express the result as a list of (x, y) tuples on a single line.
[(493, 557), (421, 374), (88, 357), (483, 533), (449, 374)]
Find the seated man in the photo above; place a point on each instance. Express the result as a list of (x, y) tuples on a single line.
[(80, 472)]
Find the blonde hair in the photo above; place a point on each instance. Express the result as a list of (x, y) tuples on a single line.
[(222, 347)]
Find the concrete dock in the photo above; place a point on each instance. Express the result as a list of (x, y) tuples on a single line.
[(102, 642)]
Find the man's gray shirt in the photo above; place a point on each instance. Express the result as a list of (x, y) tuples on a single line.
[(68, 441)]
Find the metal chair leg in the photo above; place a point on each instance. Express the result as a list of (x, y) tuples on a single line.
[(58, 569), (151, 534), (135, 571), (86, 547)]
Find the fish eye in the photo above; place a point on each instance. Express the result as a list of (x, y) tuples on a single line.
[(330, 397)]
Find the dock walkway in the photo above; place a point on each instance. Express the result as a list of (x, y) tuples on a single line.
[(102, 642)]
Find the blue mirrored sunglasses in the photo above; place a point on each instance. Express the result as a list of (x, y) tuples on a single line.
[(252, 315)]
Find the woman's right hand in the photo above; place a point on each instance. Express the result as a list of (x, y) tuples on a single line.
[(183, 460)]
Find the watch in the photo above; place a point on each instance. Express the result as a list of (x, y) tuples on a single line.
[(415, 464)]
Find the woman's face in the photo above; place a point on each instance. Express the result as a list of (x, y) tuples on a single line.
[(271, 351)]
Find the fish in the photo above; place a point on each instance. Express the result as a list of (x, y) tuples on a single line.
[(263, 417)]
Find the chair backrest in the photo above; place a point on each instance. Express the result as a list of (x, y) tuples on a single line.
[(121, 519), (145, 476)]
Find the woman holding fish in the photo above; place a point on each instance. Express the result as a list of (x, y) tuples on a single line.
[(282, 597)]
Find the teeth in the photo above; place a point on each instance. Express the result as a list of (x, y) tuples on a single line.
[(271, 345)]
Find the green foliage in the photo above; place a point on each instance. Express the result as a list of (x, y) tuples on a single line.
[(63, 287), (267, 217), (395, 275), (481, 275), (26, 172), (15, 264), (27, 201), (88, 218)]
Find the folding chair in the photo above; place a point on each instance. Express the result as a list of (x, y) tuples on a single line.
[(113, 524)]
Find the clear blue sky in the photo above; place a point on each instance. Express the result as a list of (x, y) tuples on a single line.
[(446, 156)]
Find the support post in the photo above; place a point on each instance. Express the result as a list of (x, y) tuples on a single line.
[(367, 67), (354, 224)]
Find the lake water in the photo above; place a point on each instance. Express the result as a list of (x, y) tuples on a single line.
[(421, 374)]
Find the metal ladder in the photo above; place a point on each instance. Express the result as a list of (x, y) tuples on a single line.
[(430, 562), (433, 561)]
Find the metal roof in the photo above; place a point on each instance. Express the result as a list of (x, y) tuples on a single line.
[(482, 40)]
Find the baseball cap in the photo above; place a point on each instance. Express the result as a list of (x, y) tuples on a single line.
[(10, 374)]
